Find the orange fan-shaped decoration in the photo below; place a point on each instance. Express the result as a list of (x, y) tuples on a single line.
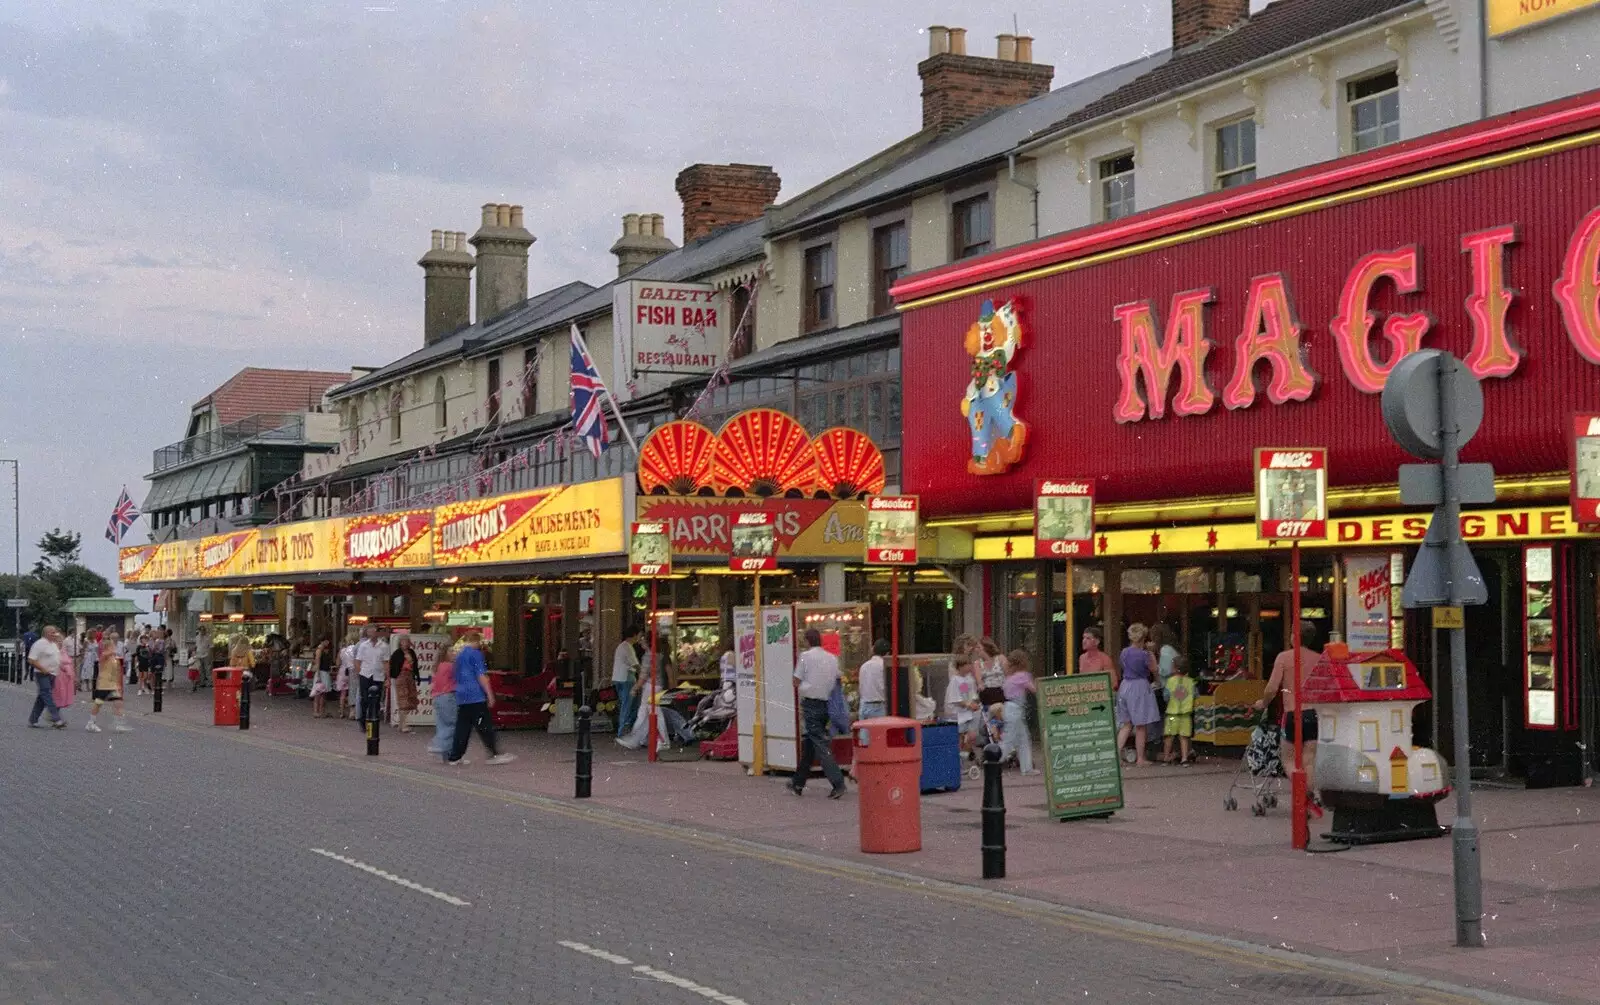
[(849, 464), (763, 452), (675, 459)]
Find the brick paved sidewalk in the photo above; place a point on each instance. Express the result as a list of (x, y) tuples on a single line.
[(1173, 856)]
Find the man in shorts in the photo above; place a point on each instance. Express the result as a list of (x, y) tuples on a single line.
[(1296, 719), (108, 687)]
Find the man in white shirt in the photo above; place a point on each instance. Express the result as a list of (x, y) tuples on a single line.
[(45, 658), (624, 668), (372, 662), (815, 674), (871, 690)]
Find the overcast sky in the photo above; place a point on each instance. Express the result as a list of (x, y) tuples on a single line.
[(191, 188)]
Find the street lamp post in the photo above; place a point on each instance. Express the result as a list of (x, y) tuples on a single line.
[(16, 543)]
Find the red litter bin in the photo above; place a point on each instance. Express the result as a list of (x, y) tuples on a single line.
[(225, 683), (888, 771)]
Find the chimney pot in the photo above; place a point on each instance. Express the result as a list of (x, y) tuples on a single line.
[(438, 239), (516, 216), (958, 42), (957, 88), (502, 246), (446, 286), (488, 214), (641, 242), (630, 224), (938, 39), (1006, 48), (1024, 48)]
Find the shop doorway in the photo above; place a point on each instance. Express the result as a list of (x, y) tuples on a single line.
[(541, 638)]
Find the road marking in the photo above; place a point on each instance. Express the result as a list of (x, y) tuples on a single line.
[(651, 972), (391, 877), (1258, 957)]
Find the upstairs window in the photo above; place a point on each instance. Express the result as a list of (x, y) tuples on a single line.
[(891, 254), (1116, 187), (491, 405), (530, 380), (819, 289), (441, 406), (1374, 111), (1236, 154), (742, 340), (973, 224)]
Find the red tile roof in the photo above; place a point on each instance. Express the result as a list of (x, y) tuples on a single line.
[(255, 390), (1332, 684)]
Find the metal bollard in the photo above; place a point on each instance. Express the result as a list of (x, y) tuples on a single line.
[(157, 701), (585, 760), (244, 698), (994, 815), (372, 712)]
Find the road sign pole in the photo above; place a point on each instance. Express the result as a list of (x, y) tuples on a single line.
[(655, 662), (758, 738), (1464, 836), (894, 640), (1301, 828), (1069, 636)]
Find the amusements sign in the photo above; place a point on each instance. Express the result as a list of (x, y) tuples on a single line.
[(650, 549), (559, 522), (1083, 777), (1292, 493), (755, 542), (1063, 518), (891, 530)]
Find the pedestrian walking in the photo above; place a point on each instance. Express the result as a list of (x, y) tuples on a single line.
[(108, 688), (323, 661), (347, 674), (159, 643), (624, 670), (1136, 698), (44, 659), (403, 678), (1016, 687), (991, 668), (815, 673), (871, 690), (474, 703), (372, 669), (443, 690), (88, 659), (202, 651), (70, 649)]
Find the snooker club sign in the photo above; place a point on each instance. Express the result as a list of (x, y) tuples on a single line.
[(1169, 357)]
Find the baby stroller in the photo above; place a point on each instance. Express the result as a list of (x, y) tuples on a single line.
[(1260, 770), (714, 712)]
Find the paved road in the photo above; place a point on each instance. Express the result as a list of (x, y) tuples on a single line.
[(172, 864)]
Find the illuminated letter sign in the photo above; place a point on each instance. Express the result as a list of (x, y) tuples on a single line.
[(1578, 290), (1291, 493), (1494, 352), (1272, 333), (1353, 327), (1185, 347), (1063, 518)]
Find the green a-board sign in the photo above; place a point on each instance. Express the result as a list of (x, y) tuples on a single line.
[(1083, 776)]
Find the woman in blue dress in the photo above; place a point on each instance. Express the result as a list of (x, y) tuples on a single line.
[(1136, 699)]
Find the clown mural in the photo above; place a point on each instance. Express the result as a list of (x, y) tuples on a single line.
[(998, 435)]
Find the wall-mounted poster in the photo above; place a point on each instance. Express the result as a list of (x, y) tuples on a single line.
[(1367, 603)]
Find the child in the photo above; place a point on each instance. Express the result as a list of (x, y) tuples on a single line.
[(1179, 719), (996, 722)]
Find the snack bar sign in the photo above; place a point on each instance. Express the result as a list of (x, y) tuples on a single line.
[(891, 530), (1063, 518), (1292, 493), (389, 541)]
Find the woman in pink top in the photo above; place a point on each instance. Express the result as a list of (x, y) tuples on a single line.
[(1017, 686), (444, 706)]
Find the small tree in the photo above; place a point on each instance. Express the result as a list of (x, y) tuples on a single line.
[(57, 550)]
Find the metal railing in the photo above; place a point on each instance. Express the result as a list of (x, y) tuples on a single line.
[(286, 427)]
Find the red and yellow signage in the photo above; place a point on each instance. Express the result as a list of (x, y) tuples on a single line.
[(1063, 518), (227, 555), (1514, 15), (173, 561), (571, 521), (388, 541), (1292, 493), (1586, 468), (650, 549)]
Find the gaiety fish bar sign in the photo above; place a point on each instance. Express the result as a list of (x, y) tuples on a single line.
[(1164, 347), (563, 521)]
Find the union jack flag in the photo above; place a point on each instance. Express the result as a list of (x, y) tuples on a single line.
[(122, 517), (588, 415)]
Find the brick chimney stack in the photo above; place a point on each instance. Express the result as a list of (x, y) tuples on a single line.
[(502, 244), (446, 285), (643, 240), (1195, 21), (715, 195), (957, 88)]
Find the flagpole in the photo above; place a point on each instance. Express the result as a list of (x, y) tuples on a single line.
[(605, 389)]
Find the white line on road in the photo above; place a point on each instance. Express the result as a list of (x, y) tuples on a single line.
[(648, 971), (391, 877)]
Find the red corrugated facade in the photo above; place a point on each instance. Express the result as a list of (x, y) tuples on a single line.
[(1067, 369)]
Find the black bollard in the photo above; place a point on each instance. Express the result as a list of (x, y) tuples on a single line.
[(994, 815), (157, 701), (372, 712), (585, 761), (244, 698)]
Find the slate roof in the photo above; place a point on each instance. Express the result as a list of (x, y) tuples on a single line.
[(985, 139), (255, 390), (517, 319), (1274, 31)]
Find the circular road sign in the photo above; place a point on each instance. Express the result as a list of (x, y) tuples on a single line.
[(1411, 401)]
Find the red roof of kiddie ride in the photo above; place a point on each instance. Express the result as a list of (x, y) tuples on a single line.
[(1333, 682)]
